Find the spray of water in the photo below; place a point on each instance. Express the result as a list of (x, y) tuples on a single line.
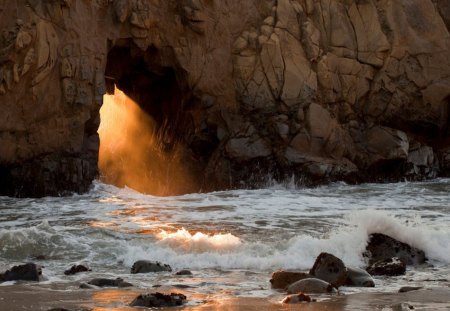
[(132, 155)]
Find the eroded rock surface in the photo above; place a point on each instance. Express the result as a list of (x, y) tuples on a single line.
[(147, 266), (26, 272), (322, 90), (381, 247), (329, 268)]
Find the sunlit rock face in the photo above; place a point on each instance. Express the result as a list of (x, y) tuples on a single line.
[(235, 91)]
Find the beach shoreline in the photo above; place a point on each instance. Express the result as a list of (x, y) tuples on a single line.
[(22, 297)]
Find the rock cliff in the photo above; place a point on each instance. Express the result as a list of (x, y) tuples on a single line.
[(318, 90)]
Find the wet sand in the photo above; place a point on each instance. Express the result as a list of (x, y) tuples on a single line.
[(35, 298)]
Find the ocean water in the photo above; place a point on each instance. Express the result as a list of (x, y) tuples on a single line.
[(231, 240)]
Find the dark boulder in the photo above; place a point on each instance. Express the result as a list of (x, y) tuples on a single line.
[(146, 266), (330, 269), (382, 247), (357, 277), (311, 286), (26, 272), (184, 272), (109, 282), (159, 300), (77, 269), (391, 267), (282, 279)]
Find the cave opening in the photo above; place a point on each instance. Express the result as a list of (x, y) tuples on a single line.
[(145, 123)]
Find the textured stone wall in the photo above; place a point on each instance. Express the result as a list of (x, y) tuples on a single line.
[(316, 89)]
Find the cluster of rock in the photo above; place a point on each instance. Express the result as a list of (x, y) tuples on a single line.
[(323, 90), (386, 256), (33, 272)]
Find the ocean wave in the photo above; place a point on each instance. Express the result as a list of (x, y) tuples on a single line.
[(348, 241)]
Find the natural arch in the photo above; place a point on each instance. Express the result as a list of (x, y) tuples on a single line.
[(146, 126)]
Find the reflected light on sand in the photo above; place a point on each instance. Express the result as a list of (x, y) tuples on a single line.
[(132, 155)]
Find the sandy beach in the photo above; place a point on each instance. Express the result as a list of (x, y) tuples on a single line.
[(32, 298)]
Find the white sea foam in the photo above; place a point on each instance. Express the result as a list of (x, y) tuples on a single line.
[(347, 242), (199, 242)]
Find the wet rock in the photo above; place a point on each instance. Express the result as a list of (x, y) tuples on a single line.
[(381, 247), (297, 298), (159, 300), (109, 282), (391, 267), (311, 286), (406, 289), (282, 279), (26, 272), (330, 269), (359, 278), (77, 269), (184, 272), (146, 266)]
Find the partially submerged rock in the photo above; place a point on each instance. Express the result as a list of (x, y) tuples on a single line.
[(184, 272), (282, 279), (297, 298), (358, 278), (311, 286), (330, 269), (382, 247), (100, 282), (406, 289), (159, 300), (391, 267), (147, 266), (26, 272), (77, 269)]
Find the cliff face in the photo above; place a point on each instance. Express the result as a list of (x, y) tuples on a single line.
[(316, 89)]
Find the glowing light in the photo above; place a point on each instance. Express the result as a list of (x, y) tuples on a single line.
[(131, 153), (199, 242)]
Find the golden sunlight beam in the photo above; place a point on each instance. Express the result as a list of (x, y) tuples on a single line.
[(130, 154)]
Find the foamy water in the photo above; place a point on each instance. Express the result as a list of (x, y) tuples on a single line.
[(231, 240)]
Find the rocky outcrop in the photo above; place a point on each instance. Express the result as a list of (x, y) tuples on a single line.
[(392, 267), (239, 90), (381, 247), (26, 272), (146, 266), (329, 268), (77, 269)]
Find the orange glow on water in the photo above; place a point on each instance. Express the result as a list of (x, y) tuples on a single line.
[(199, 242), (131, 155)]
